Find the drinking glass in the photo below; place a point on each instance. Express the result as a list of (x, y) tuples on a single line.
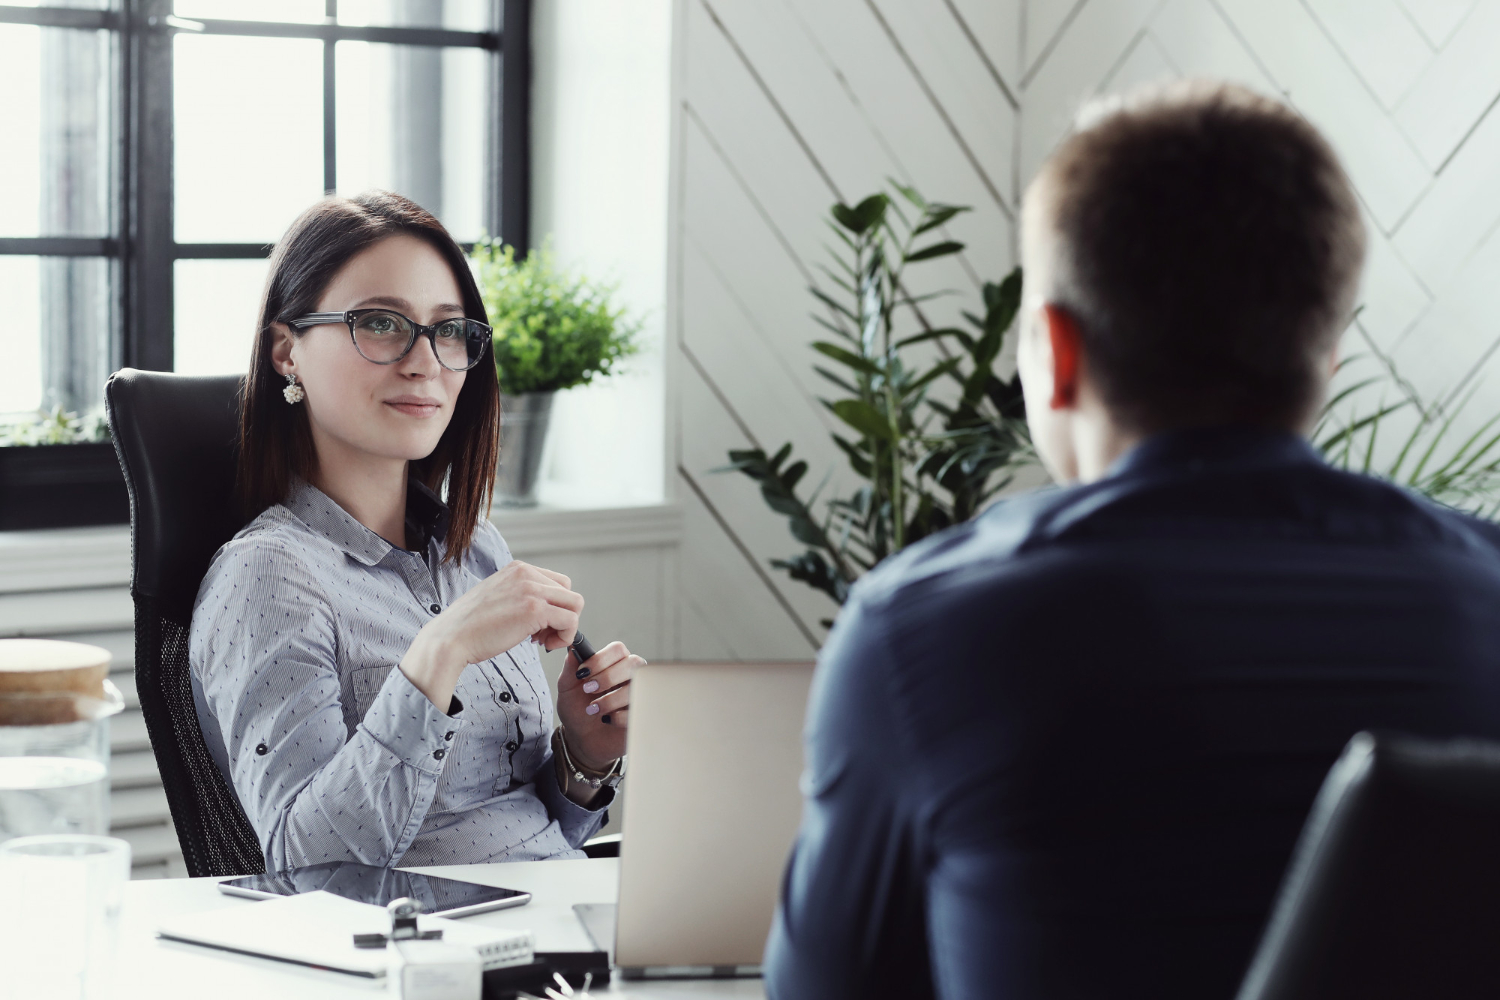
[(54, 762), (60, 897)]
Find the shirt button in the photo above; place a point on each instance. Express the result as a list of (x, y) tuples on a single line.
[(505, 696), (439, 754), (262, 749), (435, 608), (512, 746), (448, 735)]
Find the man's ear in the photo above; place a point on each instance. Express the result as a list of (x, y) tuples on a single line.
[(1067, 355), (281, 347)]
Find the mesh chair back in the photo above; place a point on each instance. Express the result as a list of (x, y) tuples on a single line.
[(176, 437), (1394, 889)]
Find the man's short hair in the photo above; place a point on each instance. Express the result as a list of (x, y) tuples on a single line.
[(1210, 246)]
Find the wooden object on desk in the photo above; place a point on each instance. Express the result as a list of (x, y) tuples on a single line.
[(40, 679)]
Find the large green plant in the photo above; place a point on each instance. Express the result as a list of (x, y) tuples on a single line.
[(554, 329), (923, 462), (1425, 456)]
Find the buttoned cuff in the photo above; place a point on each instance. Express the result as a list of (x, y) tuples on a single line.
[(406, 722), (578, 823)]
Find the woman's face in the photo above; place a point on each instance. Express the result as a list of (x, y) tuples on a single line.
[(359, 410)]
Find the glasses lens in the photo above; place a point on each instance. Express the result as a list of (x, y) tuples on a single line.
[(454, 342), (382, 336)]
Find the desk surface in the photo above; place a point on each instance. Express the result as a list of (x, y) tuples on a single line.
[(149, 968)]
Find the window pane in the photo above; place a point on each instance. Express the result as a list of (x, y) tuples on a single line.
[(218, 305), (456, 15), (299, 11), (86, 4), (58, 333), (55, 117), (249, 135), (412, 120)]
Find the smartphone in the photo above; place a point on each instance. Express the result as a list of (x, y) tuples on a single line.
[(444, 897)]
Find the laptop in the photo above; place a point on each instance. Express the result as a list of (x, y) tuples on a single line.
[(710, 816)]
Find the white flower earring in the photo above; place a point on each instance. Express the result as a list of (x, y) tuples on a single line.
[(293, 392)]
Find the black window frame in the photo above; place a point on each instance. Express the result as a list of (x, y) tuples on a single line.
[(144, 249)]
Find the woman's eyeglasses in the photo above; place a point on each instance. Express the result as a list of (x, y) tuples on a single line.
[(384, 336)]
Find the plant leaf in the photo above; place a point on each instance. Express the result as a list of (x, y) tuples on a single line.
[(780, 456), (865, 216), (936, 216), (848, 358), (932, 250), (862, 417), (836, 380)]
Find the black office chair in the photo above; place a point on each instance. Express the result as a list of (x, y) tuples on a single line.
[(1394, 889), (176, 437)]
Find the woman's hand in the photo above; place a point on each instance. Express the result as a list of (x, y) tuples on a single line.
[(516, 602), (593, 702)]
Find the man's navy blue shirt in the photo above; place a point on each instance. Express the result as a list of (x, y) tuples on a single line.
[(1065, 750)]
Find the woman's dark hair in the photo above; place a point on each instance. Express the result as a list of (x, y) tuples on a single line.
[(1210, 247), (275, 440)]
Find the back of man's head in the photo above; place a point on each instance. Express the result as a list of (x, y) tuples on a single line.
[(1209, 245)]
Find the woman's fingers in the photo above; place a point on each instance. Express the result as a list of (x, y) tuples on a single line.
[(557, 595), (609, 702), (619, 718), (575, 674), (612, 677), (555, 577)]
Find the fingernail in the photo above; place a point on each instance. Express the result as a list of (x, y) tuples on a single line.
[(591, 687), (581, 673), (591, 710), (606, 721)]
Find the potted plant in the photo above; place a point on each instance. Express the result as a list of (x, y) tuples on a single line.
[(554, 329), (58, 470), (922, 459)]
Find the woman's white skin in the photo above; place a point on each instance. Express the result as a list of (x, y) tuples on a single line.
[(368, 421)]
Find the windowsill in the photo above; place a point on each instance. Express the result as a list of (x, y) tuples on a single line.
[(98, 557)]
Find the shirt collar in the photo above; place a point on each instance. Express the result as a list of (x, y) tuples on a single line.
[(1203, 448), (426, 520)]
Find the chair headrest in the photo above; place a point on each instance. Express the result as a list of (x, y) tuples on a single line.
[(177, 440)]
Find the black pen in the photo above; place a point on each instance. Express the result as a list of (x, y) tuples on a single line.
[(582, 651)]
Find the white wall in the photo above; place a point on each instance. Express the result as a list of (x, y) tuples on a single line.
[(782, 106), (600, 144)]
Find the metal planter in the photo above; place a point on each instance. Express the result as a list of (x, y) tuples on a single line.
[(523, 435)]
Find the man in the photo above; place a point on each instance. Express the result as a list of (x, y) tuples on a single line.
[(1065, 750)]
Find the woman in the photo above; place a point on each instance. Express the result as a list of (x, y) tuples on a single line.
[(363, 654)]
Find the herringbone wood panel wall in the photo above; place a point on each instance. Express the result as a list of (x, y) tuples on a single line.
[(783, 106)]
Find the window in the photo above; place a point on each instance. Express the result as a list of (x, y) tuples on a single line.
[(155, 150)]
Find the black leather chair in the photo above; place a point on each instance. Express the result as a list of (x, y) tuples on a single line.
[(1394, 889), (176, 437)]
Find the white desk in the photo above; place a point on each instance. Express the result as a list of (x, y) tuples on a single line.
[(149, 968)]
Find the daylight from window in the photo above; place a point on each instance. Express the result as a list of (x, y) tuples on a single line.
[(249, 155)]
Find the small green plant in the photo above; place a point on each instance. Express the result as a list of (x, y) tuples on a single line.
[(554, 329), (923, 463), (56, 427)]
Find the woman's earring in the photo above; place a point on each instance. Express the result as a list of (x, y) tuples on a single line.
[(293, 392)]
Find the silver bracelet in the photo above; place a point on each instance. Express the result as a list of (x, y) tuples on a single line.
[(615, 771)]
